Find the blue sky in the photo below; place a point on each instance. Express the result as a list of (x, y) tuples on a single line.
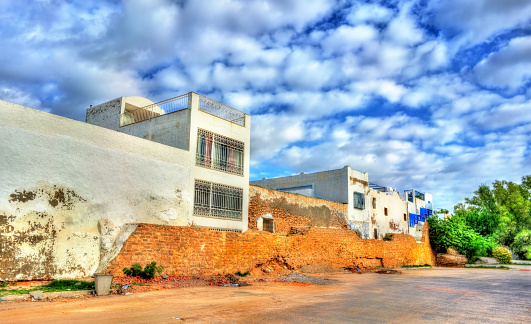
[(433, 95)]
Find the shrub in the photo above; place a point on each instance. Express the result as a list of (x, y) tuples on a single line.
[(149, 272), (455, 233), (503, 255), (522, 244)]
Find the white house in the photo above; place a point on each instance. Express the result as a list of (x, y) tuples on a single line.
[(373, 210)]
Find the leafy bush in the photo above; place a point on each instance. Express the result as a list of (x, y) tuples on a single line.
[(455, 233), (503, 255), (149, 272), (522, 244)]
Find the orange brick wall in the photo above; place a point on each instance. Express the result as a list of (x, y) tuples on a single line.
[(199, 251), (292, 210)]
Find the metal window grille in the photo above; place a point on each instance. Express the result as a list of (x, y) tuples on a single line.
[(219, 152), (221, 110), (217, 200)]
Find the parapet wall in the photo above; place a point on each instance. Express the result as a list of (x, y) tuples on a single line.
[(199, 251), (292, 210)]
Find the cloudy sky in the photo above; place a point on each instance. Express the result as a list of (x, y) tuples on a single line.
[(429, 94)]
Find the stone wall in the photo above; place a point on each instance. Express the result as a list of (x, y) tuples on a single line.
[(292, 210), (199, 251)]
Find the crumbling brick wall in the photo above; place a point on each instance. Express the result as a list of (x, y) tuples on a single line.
[(200, 251), (293, 210)]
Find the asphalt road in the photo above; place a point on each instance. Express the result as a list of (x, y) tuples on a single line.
[(416, 296)]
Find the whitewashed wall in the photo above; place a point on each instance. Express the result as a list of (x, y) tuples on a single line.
[(394, 221), (68, 190)]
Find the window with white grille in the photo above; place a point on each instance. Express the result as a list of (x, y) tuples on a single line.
[(219, 152), (217, 200)]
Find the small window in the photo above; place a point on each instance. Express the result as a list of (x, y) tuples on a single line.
[(359, 200), (385, 211), (375, 234), (373, 202), (269, 225), (405, 217)]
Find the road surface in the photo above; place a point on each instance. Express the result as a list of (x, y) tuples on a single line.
[(417, 296)]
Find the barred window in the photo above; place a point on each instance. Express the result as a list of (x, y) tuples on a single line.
[(219, 152), (217, 200)]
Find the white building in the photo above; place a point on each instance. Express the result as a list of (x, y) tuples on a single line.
[(373, 211), (71, 191), (216, 135)]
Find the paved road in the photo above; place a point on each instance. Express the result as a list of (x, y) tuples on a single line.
[(417, 296)]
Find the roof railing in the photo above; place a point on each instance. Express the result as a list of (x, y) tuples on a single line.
[(154, 110), (221, 110)]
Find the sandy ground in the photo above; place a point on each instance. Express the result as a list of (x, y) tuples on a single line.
[(415, 296)]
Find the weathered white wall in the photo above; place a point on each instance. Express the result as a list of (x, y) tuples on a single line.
[(394, 222), (170, 129), (106, 114), (330, 185), (357, 182), (68, 190)]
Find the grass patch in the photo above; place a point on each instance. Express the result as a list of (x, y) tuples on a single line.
[(488, 267), (417, 266), (242, 274), (56, 285)]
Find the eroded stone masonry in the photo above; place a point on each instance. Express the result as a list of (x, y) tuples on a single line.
[(200, 251), (287, 210)]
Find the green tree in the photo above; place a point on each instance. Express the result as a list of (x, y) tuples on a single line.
[(522, 244), (481, 212), (515, 203)]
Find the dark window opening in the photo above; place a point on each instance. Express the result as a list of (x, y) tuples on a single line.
[(269, 225), (405, 217), (375, 234), (359, 200), (385, 211)]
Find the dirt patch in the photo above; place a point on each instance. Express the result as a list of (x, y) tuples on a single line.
[(272, 267), (310, 280), (387, 271)]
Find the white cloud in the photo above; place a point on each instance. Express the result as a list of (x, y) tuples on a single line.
[(385, 88), (24, 99), (304, 71), (510, 67), (403, 29), (364, 13), (506, 115), (473, 21), (348, 39), (272, 132)]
